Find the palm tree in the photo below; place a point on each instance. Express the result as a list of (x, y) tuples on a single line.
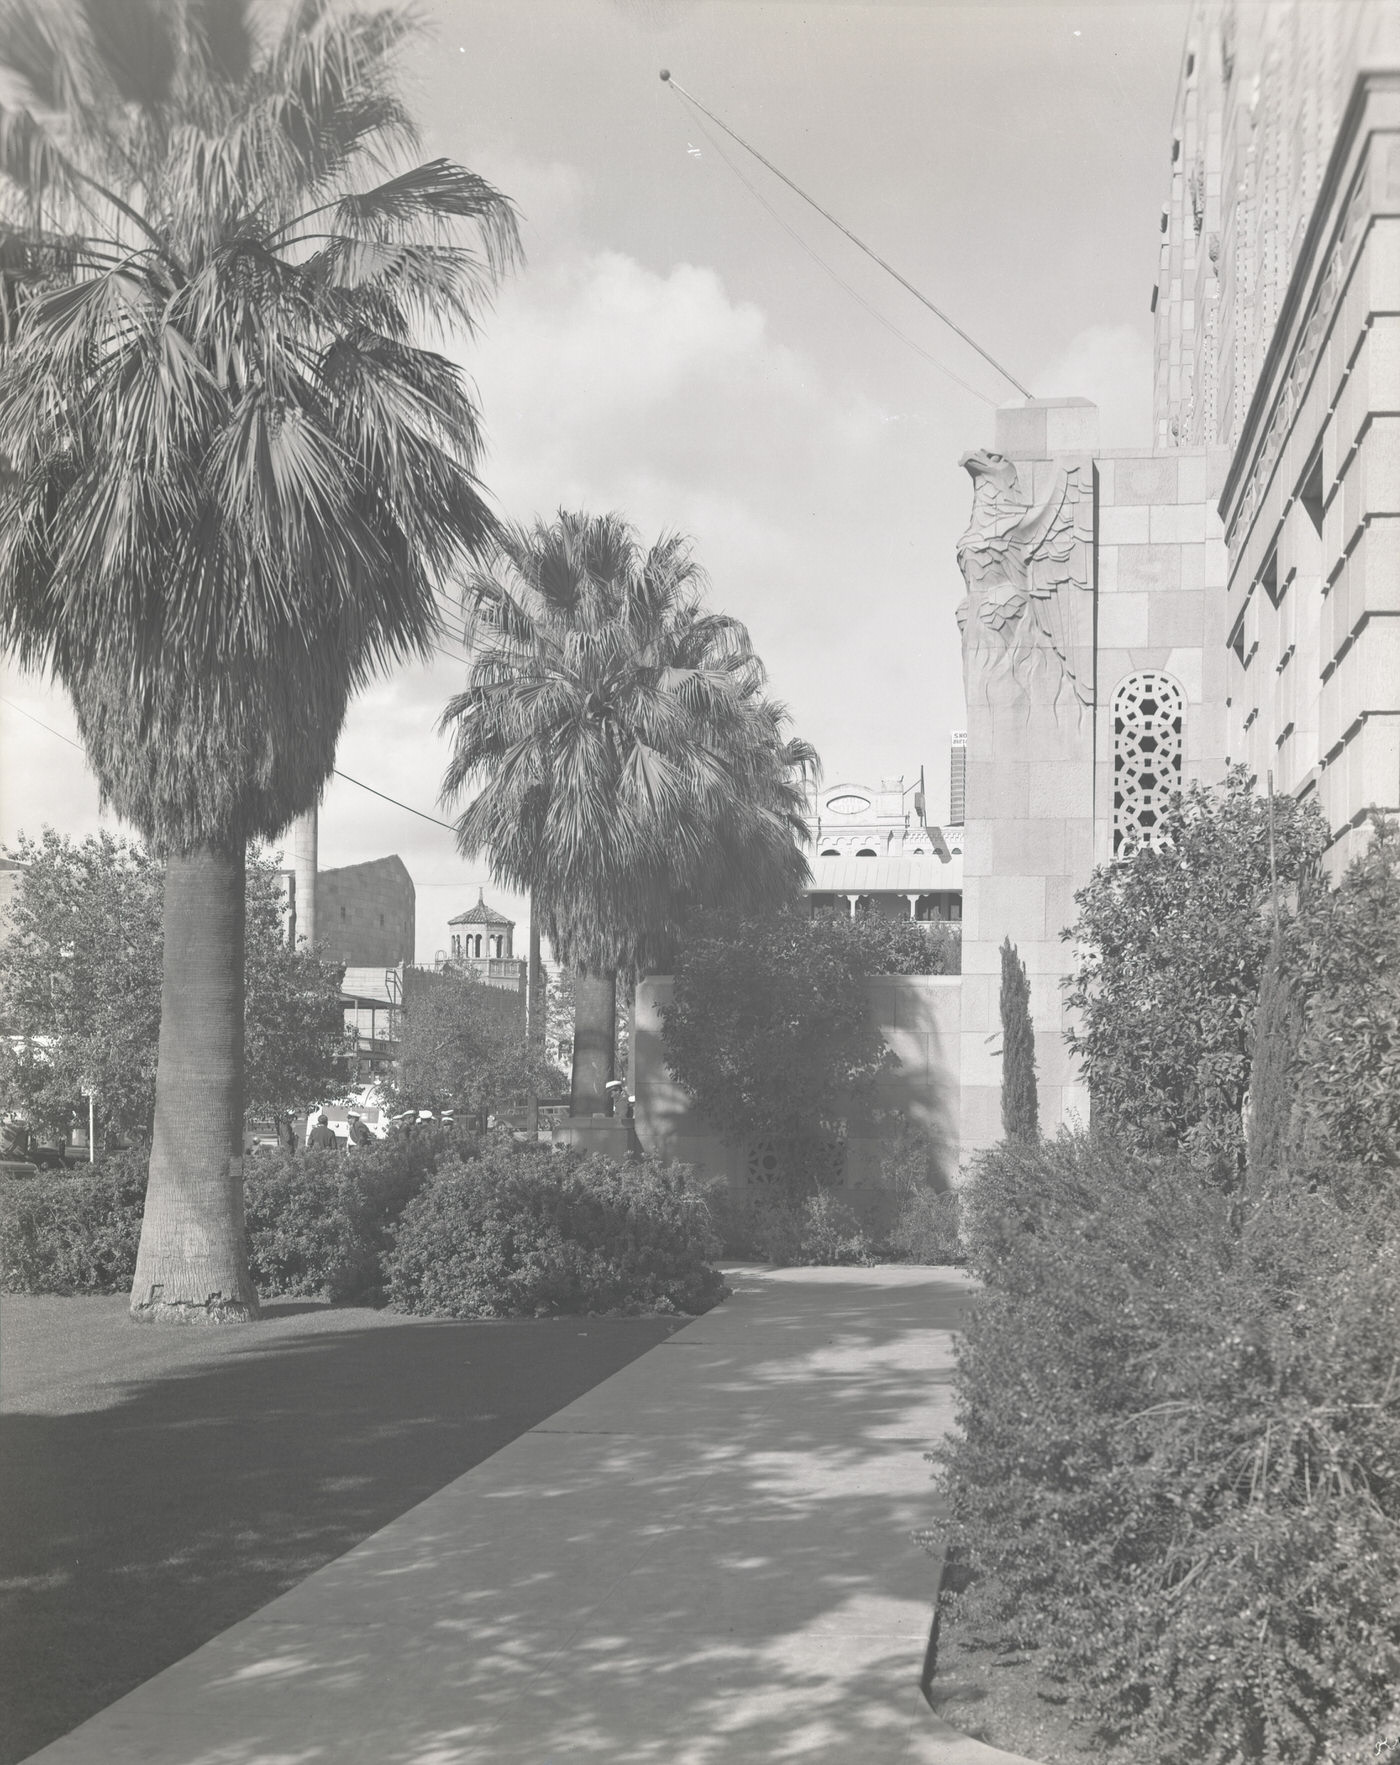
[(627, 765), (236, 477)]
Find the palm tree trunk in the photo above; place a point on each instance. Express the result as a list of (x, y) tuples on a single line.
[(595, 1041), (192, 1265)]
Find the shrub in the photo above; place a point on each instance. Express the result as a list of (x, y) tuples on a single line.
[(321, 1223), (1178, 1464), (926, 1229), (792, 1231), (73, 1231), (924, 1218), (529, 1231), (1171, 945)]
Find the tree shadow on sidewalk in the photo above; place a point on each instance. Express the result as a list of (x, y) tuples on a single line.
[(709, 1562)]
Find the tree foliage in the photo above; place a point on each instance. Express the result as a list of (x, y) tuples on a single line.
[(906, 946), (1020, 1106), (1273, 1074), (627, 765), (1348, 959), (462, 1046), (80, 979), (236, 476), (1171, 946), (770, 1030)]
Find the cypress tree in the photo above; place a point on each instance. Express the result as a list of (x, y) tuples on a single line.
[(1278, 1031), (1020, 1108)]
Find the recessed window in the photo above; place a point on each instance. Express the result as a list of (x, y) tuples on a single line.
[(1268, 579), (829, 852), (867, 852), (1311, 495)]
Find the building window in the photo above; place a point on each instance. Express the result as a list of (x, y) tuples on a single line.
[(867, 852), (1148, 712), (456, 944), (828, 852)]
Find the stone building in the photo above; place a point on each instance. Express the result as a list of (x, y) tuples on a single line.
[(1135, 620), (1278, 341), (1138, 619), (483, 947), (365, 913), (872, 851)]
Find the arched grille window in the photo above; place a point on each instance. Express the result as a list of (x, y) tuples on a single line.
[(1148, 711)]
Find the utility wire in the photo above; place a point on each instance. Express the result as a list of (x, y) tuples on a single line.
[(23, 713), (838, 279), (407, 807), (421, 813), (811, 201)]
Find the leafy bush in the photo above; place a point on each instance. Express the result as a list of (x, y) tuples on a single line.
[(924, 1218), (321, 1223), (926, 1229), (318, 1224), (1178, 1464), (73, 1231), (530, 1231), (792, 1231), (900, 946), (1172, 945)]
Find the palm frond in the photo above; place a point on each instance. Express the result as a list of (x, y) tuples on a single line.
[(237, 483), (622, 762)]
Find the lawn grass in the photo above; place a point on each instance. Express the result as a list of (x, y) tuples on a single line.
[(162, 1482)]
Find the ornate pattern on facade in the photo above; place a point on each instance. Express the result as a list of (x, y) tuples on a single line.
[(1148, 730), (1026, 567)]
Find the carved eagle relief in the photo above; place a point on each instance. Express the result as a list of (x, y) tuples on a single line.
[(1025, 566)]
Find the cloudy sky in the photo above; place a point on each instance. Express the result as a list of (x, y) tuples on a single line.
[(688, 343)]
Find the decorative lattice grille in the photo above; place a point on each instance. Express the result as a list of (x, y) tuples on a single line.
[(763, 1164), (1148, 711)]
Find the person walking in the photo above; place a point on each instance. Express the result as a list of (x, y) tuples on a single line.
[(321, 1138), (359, 1133), (286, 1136)]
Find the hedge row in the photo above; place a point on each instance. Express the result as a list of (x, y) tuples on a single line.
[(430, 1224), (1179, 1460)]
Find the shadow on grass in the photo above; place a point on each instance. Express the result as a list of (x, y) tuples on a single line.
[(132, 1533)]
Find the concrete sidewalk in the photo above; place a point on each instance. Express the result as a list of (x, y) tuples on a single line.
[(706, 1560)]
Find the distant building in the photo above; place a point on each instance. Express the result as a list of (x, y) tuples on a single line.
[(872, 851), (957, 779), (482, 946), (365, 913)]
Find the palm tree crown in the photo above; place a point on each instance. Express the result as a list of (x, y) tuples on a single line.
[(235, 474), (628, 765)]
